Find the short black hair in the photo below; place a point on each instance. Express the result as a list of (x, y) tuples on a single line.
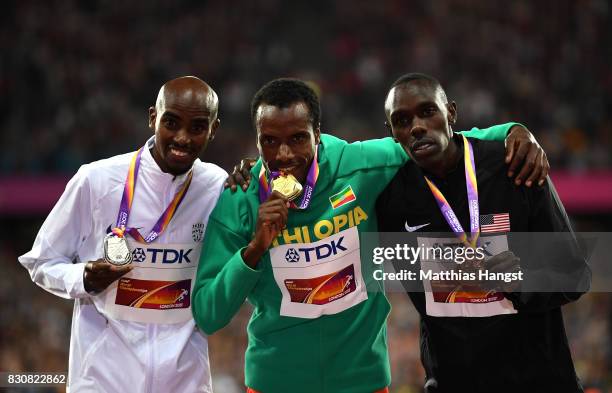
[(416, 76), (421, 78), (284, 92)]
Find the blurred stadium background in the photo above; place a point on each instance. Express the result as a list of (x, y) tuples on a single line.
[(76, 79)]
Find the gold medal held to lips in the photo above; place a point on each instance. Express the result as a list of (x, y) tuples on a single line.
[(288, 186)]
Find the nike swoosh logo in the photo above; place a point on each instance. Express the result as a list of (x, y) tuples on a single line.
[(412, 229)]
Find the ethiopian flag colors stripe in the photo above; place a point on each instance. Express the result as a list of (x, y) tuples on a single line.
[(343, 197)]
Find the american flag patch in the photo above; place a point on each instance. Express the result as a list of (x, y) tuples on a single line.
[(499, 222)]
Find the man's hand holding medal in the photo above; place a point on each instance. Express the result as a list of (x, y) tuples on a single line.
[(98, 275), (471, 267), (272, 216), (504, 262)]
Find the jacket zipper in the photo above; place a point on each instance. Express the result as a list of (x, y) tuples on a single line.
[(150, 368)]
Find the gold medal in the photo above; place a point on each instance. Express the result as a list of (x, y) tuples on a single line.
[(288, 186)]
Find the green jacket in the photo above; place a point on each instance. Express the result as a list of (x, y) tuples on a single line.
[(341, 351)]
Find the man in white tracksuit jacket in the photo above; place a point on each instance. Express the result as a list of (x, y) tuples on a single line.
[(132, 329)]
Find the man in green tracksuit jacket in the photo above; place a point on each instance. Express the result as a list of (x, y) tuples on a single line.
[(318, 323)]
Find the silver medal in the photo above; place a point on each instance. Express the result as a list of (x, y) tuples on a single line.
[(116, 250)]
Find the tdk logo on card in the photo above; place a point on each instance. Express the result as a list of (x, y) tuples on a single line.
[(139, 255), (305, 254), (323, 251), (292, 255), (159, 255)]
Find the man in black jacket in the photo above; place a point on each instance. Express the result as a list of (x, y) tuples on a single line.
[(498, 339)]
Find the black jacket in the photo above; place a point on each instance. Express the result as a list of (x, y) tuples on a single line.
[(523, 352)]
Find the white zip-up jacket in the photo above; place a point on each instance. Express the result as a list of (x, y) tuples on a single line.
[(137, 335)]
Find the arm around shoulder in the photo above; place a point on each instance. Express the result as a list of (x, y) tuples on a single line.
[(494, 133)]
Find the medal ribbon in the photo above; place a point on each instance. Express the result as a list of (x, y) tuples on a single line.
[(308, 191), (128, 197), (472, 192)]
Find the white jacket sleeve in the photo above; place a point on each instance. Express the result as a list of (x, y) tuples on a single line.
[(50, 262)]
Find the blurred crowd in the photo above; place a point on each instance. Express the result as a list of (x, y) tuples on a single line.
[(77, 77)]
